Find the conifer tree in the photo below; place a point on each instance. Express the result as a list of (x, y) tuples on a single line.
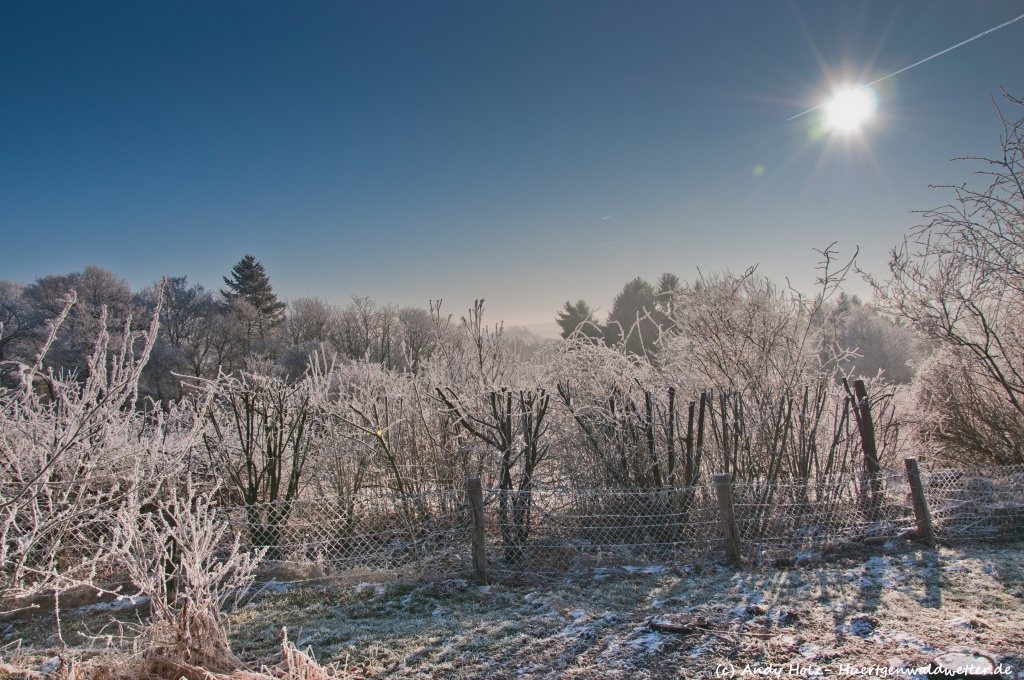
[(249, 282), (632, 318), (578, 316)]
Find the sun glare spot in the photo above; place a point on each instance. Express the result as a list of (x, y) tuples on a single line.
[(849, 109)]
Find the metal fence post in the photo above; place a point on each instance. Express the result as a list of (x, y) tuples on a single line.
[(723, 487), (475, 495), (925, 532)]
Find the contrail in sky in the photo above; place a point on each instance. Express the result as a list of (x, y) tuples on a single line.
[(937, 54), (606, 217)]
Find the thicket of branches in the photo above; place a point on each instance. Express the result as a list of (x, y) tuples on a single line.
[(959, 280)]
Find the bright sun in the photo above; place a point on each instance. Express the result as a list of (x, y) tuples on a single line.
[(849, 109)]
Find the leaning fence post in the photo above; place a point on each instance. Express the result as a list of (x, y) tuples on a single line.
[(870, 447), (723, 487), (925, 532), (475, 493)]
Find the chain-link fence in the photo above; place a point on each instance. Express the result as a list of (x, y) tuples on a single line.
[(423, 534), (980, 503), (780, 520), (551, 531)]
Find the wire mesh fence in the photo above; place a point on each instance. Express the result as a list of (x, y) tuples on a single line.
[(782, 519), (980, 503), (553, 531), (569, 530), (372, 530)]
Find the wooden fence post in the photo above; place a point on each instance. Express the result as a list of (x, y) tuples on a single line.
[(723, 488), (870, 447), (925, 532), (475, 494), (867, 428)]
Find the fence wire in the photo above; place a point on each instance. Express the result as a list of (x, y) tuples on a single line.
[(424, 534), (979, 503), (782, 519), (557, 531), (571, 530)]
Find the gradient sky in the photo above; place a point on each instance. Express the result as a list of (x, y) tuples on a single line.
[(525, 152)]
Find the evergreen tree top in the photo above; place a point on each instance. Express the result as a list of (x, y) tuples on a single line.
[(249, 282)]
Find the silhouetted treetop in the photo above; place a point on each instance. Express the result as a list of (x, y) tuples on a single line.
[(249, 282)]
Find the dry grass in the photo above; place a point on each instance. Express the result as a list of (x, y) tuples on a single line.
[(896, 606)]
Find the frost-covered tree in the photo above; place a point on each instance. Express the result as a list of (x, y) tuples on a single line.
[(262, 430), (184, 346), (100, 294), (959, 280), (879, 343), (15, 320), (665, 298)]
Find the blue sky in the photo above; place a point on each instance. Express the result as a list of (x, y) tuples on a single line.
[(524, 152)]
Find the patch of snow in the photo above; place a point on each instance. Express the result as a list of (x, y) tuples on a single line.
[(50, 666), (274, 587), (376, 588), (121, 602), (810, 651), (653, 569), (962, 622), (861, 626), (647, 643), (904, 639), (806, 557)]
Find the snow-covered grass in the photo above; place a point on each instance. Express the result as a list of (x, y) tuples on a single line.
[(897, 606)]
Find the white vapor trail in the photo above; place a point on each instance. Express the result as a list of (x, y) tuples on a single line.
[(937, 54)]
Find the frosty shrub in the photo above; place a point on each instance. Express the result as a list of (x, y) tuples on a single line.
[(744, 333), (261, 432), (962, 416), (603, 400), (177, 550), (748, 381), (959, 280), (71, 452)]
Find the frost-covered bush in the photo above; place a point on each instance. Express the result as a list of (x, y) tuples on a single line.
[(959, 280), (961, 416), (179, 552), (72, 451)]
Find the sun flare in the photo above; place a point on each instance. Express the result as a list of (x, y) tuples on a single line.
[(849, 109)]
